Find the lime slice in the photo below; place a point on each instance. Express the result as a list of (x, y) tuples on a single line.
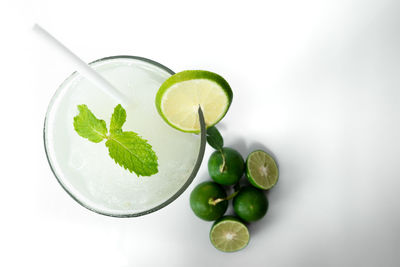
[(179, 97), (261, 170), (229, 234)]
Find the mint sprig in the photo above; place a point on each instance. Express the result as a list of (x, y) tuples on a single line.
[(118, 119), (127, 148), (88, 126)]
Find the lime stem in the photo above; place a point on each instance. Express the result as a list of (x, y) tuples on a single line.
[(232, 195), (222, 167), (214, 202)]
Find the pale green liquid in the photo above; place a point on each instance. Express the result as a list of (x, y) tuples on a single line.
[(86, 170)]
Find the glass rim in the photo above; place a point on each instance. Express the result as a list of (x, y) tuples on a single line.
[(190, 179)]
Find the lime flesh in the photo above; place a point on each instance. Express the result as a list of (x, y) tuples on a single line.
[(261, 170), (180, 96), (229, 234)]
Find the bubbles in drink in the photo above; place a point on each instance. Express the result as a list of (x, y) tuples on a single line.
[(85, 168)]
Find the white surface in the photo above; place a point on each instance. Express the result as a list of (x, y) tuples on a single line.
[(316, 82), (81, 66)]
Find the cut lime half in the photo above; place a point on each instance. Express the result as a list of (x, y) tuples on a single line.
[(261, 170), (229, 234), (180, 96)]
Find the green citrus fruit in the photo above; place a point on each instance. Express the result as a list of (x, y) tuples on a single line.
[(201, 201), (229, 234), (226, 168), (261, 170), (180, 96), (250, 204)]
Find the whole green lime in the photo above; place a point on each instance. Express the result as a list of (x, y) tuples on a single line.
[(206, 201), (250, 204), (226, 167)]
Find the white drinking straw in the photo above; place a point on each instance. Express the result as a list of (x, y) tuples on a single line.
[(83, 68)]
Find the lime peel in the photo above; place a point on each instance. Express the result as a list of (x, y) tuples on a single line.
[(261, 170), (179, 97), (229, 234)]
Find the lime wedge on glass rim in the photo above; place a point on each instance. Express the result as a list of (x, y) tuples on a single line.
[(179, 97), (229, 234), (261, 170)]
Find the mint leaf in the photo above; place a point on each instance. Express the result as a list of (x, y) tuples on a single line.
[(118, 119), (88, 126), (128, 149), (214, 138), (132, 152)]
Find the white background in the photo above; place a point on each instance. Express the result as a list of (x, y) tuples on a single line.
[(315, 82)]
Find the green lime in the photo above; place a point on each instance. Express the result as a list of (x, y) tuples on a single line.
[(179, 97), (202, 201), (261, 170), (226, 168), (250, 204), (229, 234)]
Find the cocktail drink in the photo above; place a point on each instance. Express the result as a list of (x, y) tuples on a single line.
[(86, 171), (154, 124)]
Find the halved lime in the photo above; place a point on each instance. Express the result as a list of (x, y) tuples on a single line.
[(180, 96), (261, 170), (229, 234)]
